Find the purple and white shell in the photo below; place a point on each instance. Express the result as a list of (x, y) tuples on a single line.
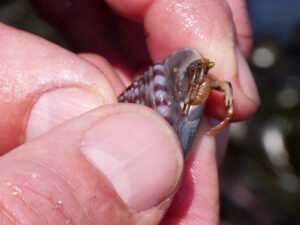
[(163, 87)]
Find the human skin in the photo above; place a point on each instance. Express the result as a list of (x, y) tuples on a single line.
[(119, 163)]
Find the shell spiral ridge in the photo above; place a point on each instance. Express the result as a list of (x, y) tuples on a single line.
[(151, 89)]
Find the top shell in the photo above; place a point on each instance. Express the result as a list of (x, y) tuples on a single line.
[(163, 87)]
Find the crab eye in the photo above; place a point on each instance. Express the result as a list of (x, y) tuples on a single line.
[(211, 65)]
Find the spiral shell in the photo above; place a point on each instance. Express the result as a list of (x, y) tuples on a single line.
[(163, 87)]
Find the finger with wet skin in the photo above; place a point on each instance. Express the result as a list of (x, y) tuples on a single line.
[(43, 85), (207, 26), (94, 170)]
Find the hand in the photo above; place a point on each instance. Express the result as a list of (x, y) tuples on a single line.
[(117, 164)]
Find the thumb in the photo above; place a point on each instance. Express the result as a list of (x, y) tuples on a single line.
[(117, 164)]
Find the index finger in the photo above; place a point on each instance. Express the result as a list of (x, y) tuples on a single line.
[(207, 26)]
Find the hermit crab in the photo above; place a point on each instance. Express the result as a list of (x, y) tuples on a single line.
[(177, 89)]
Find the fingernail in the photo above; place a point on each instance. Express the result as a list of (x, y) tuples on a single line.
[(58, 106), (246, 78), (138, 154)]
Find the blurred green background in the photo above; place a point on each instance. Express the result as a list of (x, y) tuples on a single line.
[(260, 176)]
